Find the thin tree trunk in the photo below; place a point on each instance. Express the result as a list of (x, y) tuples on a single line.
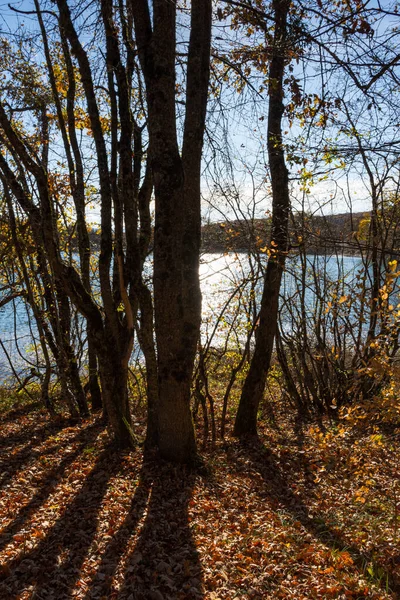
[(146, 339), (254, 385), (114, 379), (31, 299), (94, 388)]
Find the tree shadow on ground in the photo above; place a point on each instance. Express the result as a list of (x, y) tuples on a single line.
[(19, 411), (277, 487), (51, 569), (152, 554), (13, 460), (49, 483), (164, 562), (27, 432)]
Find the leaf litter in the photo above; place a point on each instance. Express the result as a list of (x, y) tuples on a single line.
[(315, 515)]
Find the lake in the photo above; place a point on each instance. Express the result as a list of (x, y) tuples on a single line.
[(220, 275)]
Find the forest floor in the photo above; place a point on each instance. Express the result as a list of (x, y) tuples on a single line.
[(305, 512)]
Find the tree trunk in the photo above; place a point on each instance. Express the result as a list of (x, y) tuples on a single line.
[(94, 388), (254, 385), (177, 299), (64, 343), (174, 330), (146, 339), (114, 379), (176, 433)]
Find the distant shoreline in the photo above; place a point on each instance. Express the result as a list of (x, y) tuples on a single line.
[(319, 234)]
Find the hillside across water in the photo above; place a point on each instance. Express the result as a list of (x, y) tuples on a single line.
[(318, 233)]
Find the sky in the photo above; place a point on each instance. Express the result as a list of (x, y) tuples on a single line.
[(238, 185)]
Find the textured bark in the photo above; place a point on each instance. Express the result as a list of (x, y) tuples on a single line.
[(254, 385), (114, 378), (146, 338), (94, 388), (177, 299)]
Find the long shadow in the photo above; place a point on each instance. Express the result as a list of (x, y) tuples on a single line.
[(19, 411), (165, 559), (49, 483), (165, 562), (52, 568), (102, 582), (23, 434), (15, 461), (278, 488)]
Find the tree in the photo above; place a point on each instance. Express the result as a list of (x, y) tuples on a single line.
[(176, 174), (351, 36), (111, 326), (253, 388), (117, 117)]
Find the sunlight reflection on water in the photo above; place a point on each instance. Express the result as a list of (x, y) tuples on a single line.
[(220, 275)]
